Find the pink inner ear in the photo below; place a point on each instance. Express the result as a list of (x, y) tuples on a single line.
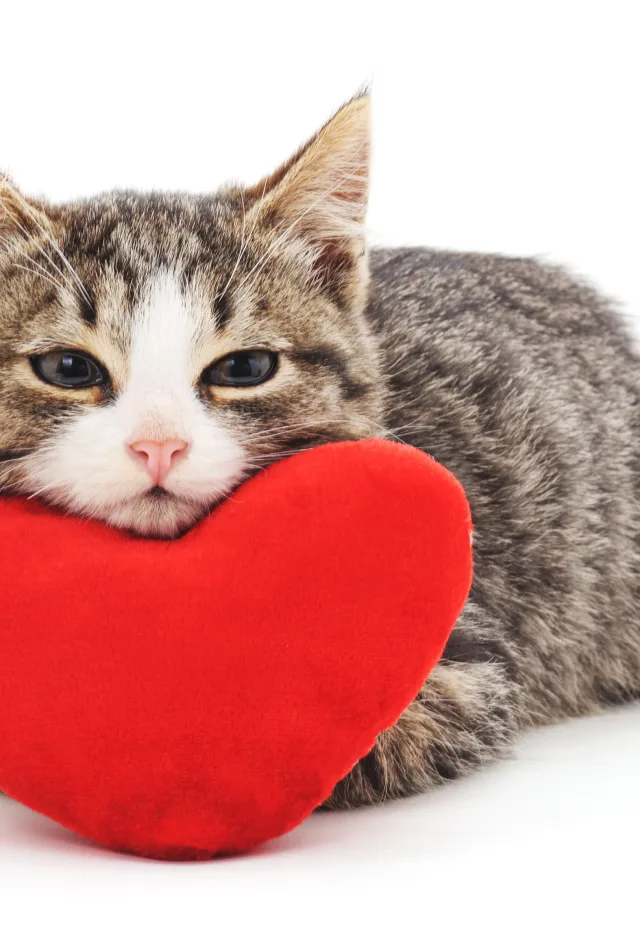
[(321, 192)]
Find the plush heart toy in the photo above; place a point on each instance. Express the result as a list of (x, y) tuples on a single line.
[(184, 699)]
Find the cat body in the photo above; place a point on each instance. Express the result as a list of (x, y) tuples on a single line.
[(157, 350), (528, 390)]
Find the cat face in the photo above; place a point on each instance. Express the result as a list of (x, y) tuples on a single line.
[(157, 350)]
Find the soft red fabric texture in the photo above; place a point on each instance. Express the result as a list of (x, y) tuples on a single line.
[(183, 699)]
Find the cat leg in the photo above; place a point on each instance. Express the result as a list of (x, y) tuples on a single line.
[(464, 717)]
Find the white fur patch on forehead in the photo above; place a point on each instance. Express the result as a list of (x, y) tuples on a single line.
[(167, 326)]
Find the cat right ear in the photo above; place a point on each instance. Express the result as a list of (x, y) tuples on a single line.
[(20, 218), (318, 199)]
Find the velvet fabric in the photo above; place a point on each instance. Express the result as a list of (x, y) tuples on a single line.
[(189, 698)]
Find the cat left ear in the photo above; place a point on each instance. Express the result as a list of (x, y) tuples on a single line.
[(320, 196), (19, 218)]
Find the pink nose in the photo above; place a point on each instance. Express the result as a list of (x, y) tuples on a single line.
[(159, 458)]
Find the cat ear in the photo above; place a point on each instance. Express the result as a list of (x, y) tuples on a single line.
[(20, 218), (319, 196)]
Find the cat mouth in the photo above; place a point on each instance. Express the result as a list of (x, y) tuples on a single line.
[(157, 514), (158, 493)]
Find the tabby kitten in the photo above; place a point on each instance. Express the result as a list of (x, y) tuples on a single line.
[(156, 350)]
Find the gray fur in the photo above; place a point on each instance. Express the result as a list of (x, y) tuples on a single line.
[(516, 377), (523, 383)]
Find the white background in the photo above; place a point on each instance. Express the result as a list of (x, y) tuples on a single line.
[(504, 127)]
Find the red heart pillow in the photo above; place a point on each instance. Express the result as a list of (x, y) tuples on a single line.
[(183, 699)]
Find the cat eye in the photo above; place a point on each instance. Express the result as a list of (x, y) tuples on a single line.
[(68, 369), (241, 369)]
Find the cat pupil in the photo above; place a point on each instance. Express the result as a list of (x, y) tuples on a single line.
[(72, 366), (244, 366)]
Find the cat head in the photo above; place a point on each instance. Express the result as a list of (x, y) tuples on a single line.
[(157, 349)]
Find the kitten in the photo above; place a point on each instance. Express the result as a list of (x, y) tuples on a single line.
[(156, 350)]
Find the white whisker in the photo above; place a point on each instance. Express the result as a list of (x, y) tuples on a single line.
[(43, 276), (246, 242), (321, 422), (45, 488), (240, 252), (31, 240), (289, 428), (8, 466), (16, 248), (57, 249), (279, 240)]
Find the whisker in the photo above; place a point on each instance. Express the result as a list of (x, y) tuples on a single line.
[(250, 235), (282, 454), (15, 248), (412, 426), (240, 252), (57, 249), (319, 422), (9, 463), (262, 261), (32, 240), (43, 276), (45, 488), (288, 428), (62, 257)]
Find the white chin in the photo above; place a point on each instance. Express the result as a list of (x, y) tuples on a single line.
[(150, 516)]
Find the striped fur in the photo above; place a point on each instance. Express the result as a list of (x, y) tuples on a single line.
[(516, 376)]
